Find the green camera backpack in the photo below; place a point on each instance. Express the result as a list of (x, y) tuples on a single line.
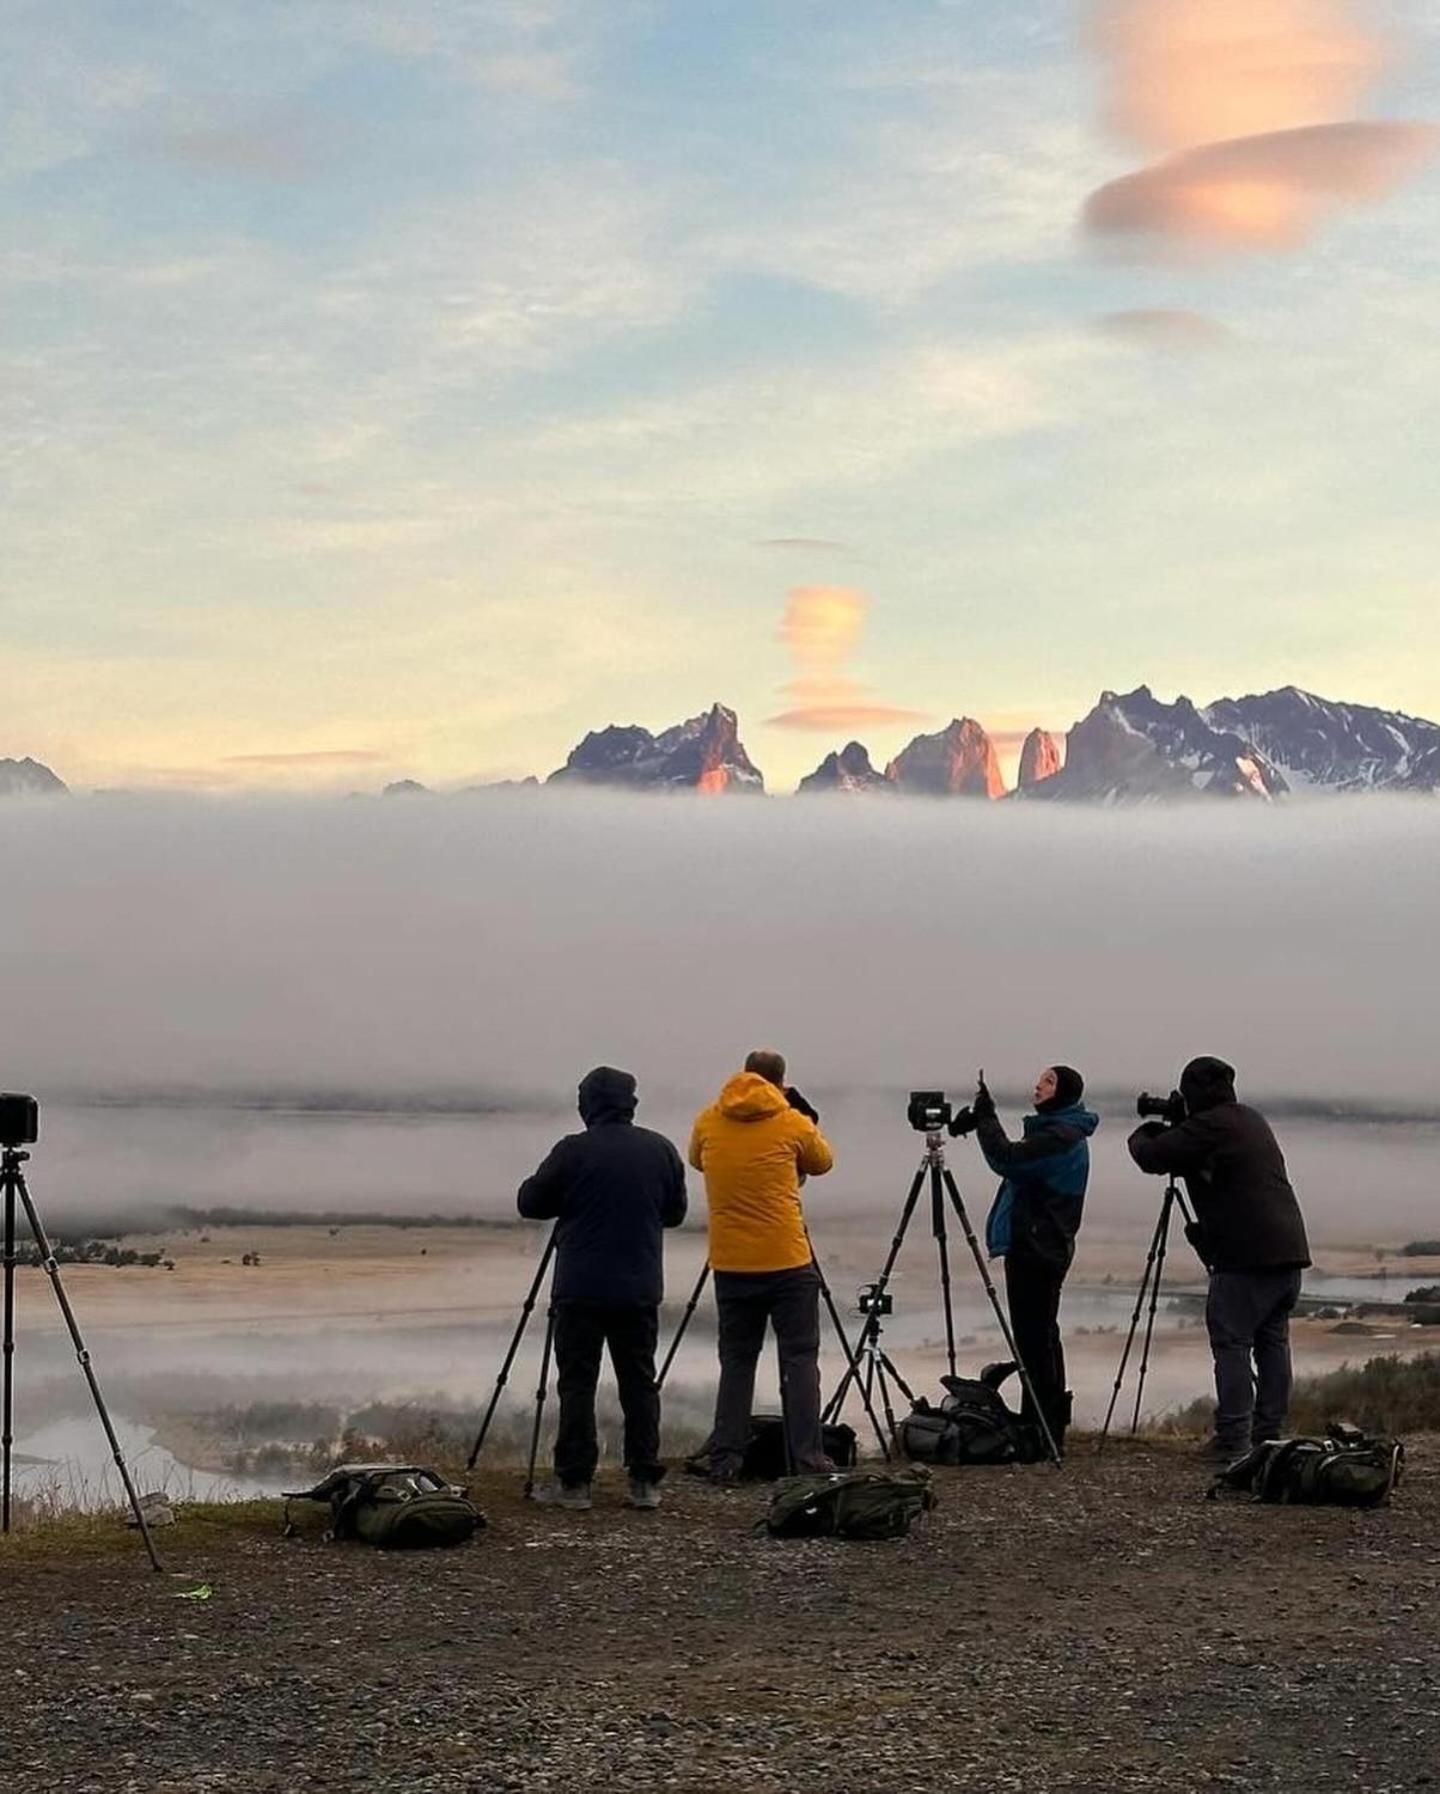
[(1347, 1468), (851, 1504), (396, 1507)]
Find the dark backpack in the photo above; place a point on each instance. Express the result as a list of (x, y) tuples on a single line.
[(764, 1459), (1346, 1468), (972, 1425), (398, 1507), (852, 1504)]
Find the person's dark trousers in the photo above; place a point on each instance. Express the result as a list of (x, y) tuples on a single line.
[(1032, 1294), (790, 1302), (1248, 1314), (582, 1331)]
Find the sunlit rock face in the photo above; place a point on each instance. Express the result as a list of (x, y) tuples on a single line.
[(849, 770), (1039, 758), (958, 762), (704, 754)]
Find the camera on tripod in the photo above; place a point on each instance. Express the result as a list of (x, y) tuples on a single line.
[(19, 1120), (929, 1111), (1169, 1109), (872, 1299)]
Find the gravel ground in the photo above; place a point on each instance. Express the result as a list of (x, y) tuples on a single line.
[(1101, 1629)]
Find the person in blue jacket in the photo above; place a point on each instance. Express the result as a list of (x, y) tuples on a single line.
[(1034, 1220)]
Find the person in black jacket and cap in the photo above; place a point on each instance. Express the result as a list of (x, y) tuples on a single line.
[(1250, 1234), (611, 1192)]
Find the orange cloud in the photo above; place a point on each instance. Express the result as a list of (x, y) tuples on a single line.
[(835, 718), (1265, 192), (822, 625), (1252, 105), (1183, 74)]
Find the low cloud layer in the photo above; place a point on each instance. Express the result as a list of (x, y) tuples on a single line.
[(1252, 107)]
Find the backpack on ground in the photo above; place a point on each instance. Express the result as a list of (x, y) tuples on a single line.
[(764, 1460), (397, 1507), (972, 1425), (852, 1504), (1347, 1468)]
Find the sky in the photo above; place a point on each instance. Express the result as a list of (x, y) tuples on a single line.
[(407, 390)]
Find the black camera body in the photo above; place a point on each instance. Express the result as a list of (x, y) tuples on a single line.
[(929, 1111), (19, 1119), (1169, 1109), (871, 1299)]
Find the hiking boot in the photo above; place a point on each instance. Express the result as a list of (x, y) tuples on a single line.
[(642, 1494), (1216, 1451), (573, 1497)]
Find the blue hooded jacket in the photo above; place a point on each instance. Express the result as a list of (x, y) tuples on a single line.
[(1045, 1175)]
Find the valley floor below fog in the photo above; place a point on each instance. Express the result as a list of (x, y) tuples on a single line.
[(1099, 1629)]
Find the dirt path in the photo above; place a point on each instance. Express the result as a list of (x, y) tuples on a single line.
[(1101, 1630)]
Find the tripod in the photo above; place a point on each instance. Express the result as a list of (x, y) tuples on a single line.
[(879, 1365), (13, 1187), (1150, 1281), (850, 1352)]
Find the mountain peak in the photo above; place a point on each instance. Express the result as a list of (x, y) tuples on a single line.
[(959, 761), (704, 753), (849, 770), (29, 778)]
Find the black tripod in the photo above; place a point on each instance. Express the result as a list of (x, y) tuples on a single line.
[(851, 1353), (532, 1295), (878, 1364), (1151, 1279), (13, 1186)]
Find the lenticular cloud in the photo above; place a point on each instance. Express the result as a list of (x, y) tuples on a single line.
[(1251, 107)]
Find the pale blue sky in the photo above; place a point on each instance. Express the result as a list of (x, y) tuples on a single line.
[(430, 382)]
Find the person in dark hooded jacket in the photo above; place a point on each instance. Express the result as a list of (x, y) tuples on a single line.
[(1250, 1234), (1033, 1223), (611, 1192)]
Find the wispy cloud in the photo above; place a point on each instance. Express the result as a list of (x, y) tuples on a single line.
[(1165, 327), (310, 757)]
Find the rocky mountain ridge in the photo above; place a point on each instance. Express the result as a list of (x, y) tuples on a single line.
[(1130, 748)]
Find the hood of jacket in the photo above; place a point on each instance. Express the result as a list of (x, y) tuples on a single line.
[(749, 1097), (1076, 1115), (1205, 1083), (607, 1095)]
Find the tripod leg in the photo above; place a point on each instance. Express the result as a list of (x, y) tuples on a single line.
[(1000, 1314), (504, 1375), (7, 1374), (1161, 1223), (871, 1330), (937, 1227), (82, 1358), (540, 1395), (1155, 1282), (850, 1364), (690, 1306)]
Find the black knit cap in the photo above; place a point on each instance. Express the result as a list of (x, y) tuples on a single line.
[(1069, 1087)]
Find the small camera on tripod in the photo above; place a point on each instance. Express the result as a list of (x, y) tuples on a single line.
[(1169, 1109), (929, 1111), (19, 1120), (871, 1299)]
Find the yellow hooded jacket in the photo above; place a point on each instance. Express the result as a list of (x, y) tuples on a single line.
[(754, 1150)]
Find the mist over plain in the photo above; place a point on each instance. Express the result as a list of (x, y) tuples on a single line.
[(387, 1005)]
